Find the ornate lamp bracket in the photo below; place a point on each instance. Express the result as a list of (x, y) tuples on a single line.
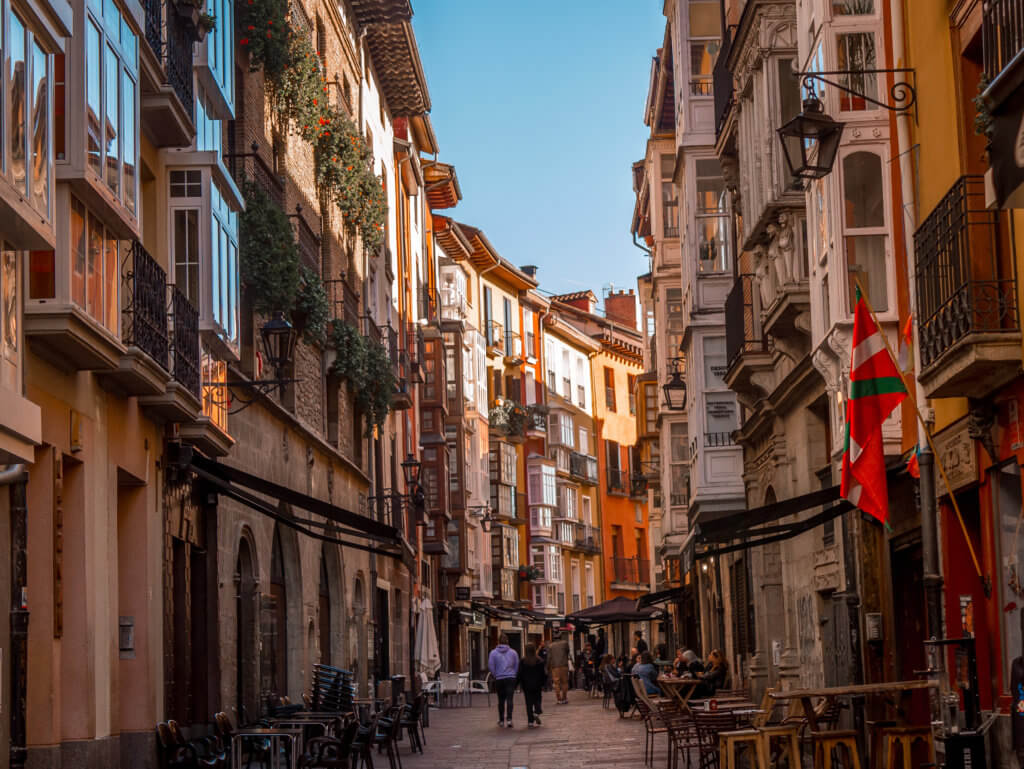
[(902, 93)]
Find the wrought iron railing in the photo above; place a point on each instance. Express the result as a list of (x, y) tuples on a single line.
[(965, 273), (185, 342), (256, 169), (634, 571), (588, 537), (1002, 30), (495, 335), (370, 329), (308, 240), (583, 467), (344, 303), (718, 439), (617, 481), (429, 304), (171, 40), (145, 306), (742, 320)]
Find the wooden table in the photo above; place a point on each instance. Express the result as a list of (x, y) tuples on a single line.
[(806, 696), (679, 689)]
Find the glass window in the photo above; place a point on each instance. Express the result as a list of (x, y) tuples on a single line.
[(17, 122), (186, 184), (864, 236), (186, 252), (853, 7), (94, 267), (702, 62), (669, 198), (128, 137), (40, 131), (714, 362), (705, 18), (712, 222), (92, 95), (112, 150), (856, 51), (721, 416), (78, 253)]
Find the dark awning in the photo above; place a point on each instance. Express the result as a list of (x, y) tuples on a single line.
[(737, 525), (619, 609), (662, 596), (239, 485)]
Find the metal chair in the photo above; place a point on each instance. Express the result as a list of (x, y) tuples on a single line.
[(478, 687)]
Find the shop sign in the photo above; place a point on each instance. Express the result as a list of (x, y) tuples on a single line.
[(535, 629), (955, 450), (461, 593)]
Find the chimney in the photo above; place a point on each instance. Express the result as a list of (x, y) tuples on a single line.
[(620, 306), (530, 270)]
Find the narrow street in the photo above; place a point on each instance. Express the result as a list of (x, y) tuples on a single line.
[(581, 734)]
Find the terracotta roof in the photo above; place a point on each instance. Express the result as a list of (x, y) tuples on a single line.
[(396, 59), (381, 11), (452, 239), (588, 294)]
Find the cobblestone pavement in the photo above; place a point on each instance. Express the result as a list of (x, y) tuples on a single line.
[(580, 734)]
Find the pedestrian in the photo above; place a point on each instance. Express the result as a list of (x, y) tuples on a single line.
[(640, 643), (717, 674), (558, 665), (542, 652), (600, 645), (503, 663), (531, 680)]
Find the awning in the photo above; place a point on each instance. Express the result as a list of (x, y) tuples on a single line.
[(662, 596), (620, 609), (239, 485)]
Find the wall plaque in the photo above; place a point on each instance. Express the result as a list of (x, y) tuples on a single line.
[(958, 455)]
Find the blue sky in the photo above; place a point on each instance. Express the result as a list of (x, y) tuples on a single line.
[(539, 105)]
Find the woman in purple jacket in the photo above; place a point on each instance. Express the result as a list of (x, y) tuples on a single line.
[(503, 663)]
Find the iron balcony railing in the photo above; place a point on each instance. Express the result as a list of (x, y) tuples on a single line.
[(588, 537), (308, 240), (1002, 30), (185, 342), (171, 40), (965, 272), (583, 467), (618, 481), (344, 302), (145, 310), (742, 320), (245, 166), (429, 304), (633, 571), (495, 335), (718, 439)]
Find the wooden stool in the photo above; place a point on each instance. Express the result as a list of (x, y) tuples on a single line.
[(729, 741), (876, 759), (905, 737), (789, 735), (825, 742)]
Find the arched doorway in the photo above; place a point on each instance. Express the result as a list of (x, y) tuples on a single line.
[(325, 612), (275, 645), (246, 598)]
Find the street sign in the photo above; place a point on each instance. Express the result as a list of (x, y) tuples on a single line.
[(462, 594)]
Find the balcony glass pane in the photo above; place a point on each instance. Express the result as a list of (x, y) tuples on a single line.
[(186, 252), (79, 261), (712, 243), (40, 129), (856, 51), (710, 186), (128, 94), (865, 261), (92, 94), (94, 289), (18, 110), (42, 284), (705, 18), (111, 306), (852, 7), (862, 190), (112, 151)]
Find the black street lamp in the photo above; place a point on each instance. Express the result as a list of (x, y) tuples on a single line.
[(810, 141), (675, 391), (483, 512), (279, 337), (411, 470)]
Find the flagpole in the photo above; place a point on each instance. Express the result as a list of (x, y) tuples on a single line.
[(924, 427)]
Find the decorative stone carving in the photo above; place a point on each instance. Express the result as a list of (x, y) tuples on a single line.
[(981, 424), (763, 273), (786, 245)]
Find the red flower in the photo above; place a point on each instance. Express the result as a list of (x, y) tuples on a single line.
[(269, 35), (251, 27), (245, 41)]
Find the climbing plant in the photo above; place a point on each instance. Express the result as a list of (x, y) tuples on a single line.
[(311, 303), (266, 35), (365, 364), (268, 253)]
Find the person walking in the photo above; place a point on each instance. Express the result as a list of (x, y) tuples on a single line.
[(532, 675), (558, 664), (640, 643), (503, 663)]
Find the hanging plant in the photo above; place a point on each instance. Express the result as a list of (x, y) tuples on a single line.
[(984, 123), (311, 307), (529, 573), (208, 22), (265, 34), (298, 92), (268, 254), (367, 367)]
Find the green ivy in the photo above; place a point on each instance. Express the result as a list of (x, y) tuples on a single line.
[(311, 300), (266, 35), (268, 253), (984, 123), (367, 367)]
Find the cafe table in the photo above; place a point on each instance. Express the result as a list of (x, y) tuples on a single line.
[(679, 689), (901, 689), (284, 747)]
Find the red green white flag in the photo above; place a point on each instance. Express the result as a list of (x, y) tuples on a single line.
[(876, 388)]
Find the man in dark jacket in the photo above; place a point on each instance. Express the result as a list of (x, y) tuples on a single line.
[(532, 675), (640, 643)]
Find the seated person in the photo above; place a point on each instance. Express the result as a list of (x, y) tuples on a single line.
[(647, 673)]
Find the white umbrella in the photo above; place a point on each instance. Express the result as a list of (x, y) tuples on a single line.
[(428, 659)]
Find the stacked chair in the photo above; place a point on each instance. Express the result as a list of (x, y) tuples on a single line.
[(333, 690)]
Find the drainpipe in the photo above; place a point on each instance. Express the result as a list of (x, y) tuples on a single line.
[(929, 522), (16, 476), (640, 246)]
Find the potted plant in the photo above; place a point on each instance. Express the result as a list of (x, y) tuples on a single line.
[(528, 573), (207, 23)]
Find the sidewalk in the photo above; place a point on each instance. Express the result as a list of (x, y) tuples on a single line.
[(580, 735)]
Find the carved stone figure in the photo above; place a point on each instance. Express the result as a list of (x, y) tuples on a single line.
[(763, 272), (786, 242)]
